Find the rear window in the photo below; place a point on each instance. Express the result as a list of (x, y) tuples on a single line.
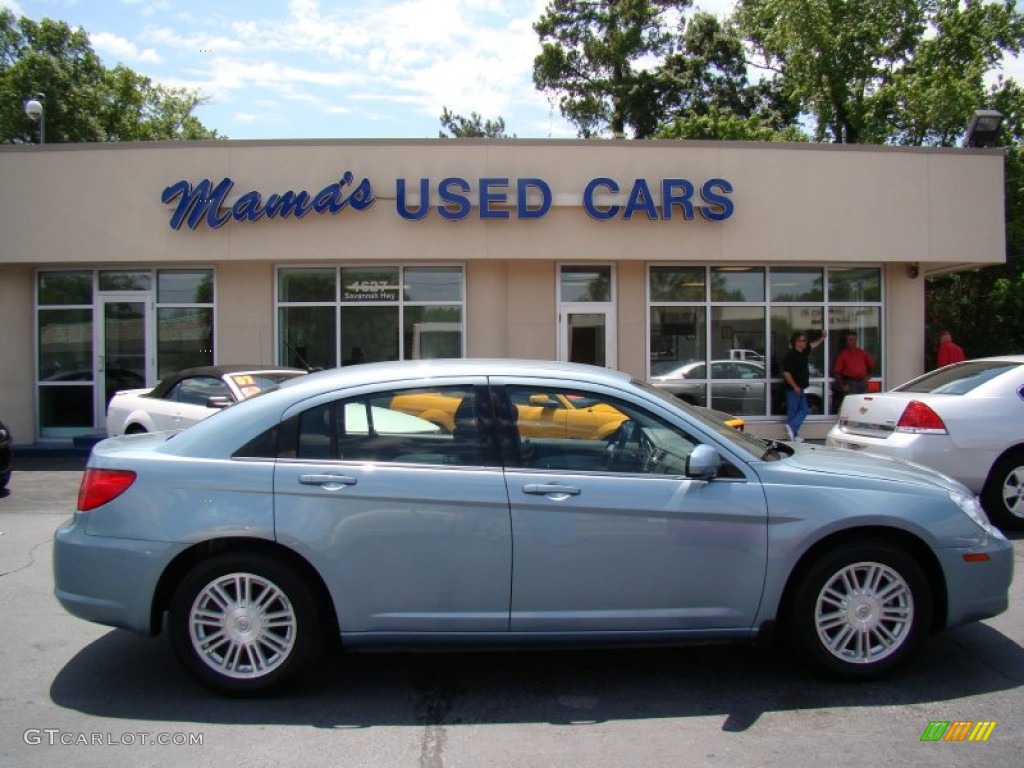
[(960, 379)]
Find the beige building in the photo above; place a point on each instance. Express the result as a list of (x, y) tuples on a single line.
[(692, 260)]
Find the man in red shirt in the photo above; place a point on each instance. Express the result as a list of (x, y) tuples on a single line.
[(853, 367), (949, 352)]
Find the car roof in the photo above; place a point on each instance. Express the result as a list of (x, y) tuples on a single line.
[(217, 371), (410, 370)]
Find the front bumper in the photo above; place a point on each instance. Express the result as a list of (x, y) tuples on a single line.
[(106, 580), (977, 590)]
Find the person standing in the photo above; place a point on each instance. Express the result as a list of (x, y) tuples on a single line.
[(797, 373), (853, 367), (948, 352)]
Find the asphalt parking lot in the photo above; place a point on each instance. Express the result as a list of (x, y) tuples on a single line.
[(85, 695)]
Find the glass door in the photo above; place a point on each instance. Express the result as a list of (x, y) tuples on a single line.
[(586, 315), (124, 357)]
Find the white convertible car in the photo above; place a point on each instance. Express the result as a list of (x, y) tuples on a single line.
[(188, 397)]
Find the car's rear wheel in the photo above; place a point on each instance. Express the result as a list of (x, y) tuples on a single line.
[(1003, 494), (135, 429), (862, 609), (243, 624)]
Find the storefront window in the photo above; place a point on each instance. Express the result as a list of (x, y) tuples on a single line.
[(184, 338), (797, 284), (307, 285), (308, 337), (786, 321), (586, 284), (369, 284), (65, 353), (61, 288), (381, 313), (433, 284), (858, 284), (737, 284), (432, 332), (733, 362), (124, 280), (184, 319), (184, 286), (369, 334), (678, 284)]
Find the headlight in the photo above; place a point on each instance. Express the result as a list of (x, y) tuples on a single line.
[(970, 506)]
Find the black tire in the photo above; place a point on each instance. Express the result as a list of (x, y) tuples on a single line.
[(843, 621), (1003, 495), (5, 478), (135, 429), (222, 639)]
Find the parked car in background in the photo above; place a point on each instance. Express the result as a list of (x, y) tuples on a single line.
[(965, 420), (737, 386), (189, 396), (6, 456), (287, 519)]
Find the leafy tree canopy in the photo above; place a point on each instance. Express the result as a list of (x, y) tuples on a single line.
[(474, 126), (83, 100), (882, 71), (595, 56)]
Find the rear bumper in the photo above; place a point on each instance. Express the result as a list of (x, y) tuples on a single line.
[(935, 451), (105, 580)]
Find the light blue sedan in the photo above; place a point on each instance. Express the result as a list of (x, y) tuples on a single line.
[(308, 512)]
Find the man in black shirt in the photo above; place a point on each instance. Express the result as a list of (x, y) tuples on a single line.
[(796, 372)]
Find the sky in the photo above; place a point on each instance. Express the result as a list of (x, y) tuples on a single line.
[(298, 69)]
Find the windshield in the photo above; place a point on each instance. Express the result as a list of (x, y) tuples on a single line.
[(755, 446), (958, 379)]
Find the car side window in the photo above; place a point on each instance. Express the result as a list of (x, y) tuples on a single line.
[(604, 435), (196, 390), (439, 425)]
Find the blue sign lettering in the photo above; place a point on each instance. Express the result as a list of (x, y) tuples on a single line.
[(206, 201), (455, 200), (719, 207)]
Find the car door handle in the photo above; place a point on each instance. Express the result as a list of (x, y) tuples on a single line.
[(327, 482), (557, 492)]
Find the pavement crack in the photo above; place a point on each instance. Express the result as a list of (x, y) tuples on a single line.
[(437, 693), (31, 559)]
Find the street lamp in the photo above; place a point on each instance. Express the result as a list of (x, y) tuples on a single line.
[(984, 128), (35, 110)]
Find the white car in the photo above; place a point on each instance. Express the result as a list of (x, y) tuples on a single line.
[(188, 397), (965, 420)]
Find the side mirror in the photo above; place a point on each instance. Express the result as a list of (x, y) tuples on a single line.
[(703, 463), (218, 401), (542, 401)]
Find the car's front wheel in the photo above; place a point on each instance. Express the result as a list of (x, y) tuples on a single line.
[(862, 609), (243, 624), (1003, 494)]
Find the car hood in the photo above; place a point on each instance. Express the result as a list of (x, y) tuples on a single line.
[(839, 462)]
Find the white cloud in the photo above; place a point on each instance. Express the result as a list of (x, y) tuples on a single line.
[(109, 44)]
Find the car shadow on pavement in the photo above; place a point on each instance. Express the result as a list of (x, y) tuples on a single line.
[(122, 675)]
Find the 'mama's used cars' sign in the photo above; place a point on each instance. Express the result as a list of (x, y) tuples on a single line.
[(493, 199)]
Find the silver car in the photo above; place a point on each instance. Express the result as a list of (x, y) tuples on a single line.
[(286, 519), (965, 420)]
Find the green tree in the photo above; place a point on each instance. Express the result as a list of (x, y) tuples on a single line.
[(474, 126), (595, 56), (882, 71), (83, 100)]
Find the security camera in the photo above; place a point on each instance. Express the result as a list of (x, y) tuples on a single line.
[(913, 271)]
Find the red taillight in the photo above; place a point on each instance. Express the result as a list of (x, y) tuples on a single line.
[(918, 417), (102, 485)]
